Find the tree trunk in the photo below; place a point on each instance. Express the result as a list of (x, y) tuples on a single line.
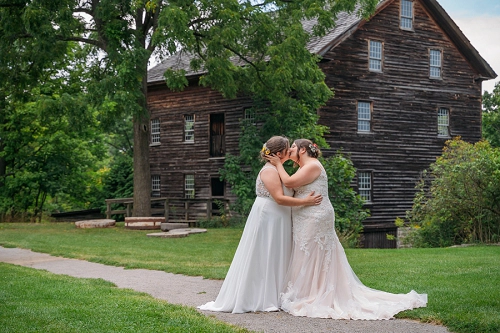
[(142, 173)]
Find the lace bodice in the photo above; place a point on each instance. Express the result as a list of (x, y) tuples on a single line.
[(260, 188), (315, 223)]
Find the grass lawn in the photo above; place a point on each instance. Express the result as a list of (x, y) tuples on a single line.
[(463, 284), (33, 300)]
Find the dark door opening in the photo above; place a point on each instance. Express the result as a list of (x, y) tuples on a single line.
[(217, 135), (217, 186)]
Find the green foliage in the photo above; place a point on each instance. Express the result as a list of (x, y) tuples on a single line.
[(241, 171), (348, 205), (118, 183), (458, 203), (399, 222), (491, 116), (51, 148), (266, 40), (48, 152)]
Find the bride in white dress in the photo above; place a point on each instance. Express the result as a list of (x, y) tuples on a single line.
[(320, 282), (256, 275)]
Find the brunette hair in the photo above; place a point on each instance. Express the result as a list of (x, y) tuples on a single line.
[(311, 148), (274, 145)]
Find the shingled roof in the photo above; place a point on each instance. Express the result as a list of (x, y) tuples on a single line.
[(346, 24)]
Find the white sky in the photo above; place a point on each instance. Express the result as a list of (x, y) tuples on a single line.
[(479, 20)]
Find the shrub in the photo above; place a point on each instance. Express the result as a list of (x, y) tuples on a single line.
[(118, 182), (457, 200), (348, 205), (491, 116)]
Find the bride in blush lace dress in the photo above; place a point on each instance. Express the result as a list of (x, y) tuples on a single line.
[(320, 282), (255, 278)]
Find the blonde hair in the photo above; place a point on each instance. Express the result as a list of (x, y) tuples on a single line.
[(274, 145)]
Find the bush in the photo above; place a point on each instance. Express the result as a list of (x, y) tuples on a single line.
[(491, 116), (118, 182), (457, 200), (348, 205)]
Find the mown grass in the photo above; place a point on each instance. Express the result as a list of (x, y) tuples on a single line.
[(207, 255), (38, 301), (463, 284)]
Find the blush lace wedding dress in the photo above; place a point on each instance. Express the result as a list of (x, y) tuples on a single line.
[(320, 282), (256, 275)]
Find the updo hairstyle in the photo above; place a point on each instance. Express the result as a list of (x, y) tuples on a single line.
[(311, 148), (274, 145)]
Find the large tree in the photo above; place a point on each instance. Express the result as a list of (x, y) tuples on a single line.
[(264, 38), (50, 142)]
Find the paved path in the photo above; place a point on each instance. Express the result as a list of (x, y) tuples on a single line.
[(194, 291)]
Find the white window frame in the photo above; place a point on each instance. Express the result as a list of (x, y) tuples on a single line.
[(365, 185), (249, 115), (155, 131), (443, 120), (375, 55), (435, 63), (364, 122), (189, 186), (155, 185), (189, 128), (406, 15)]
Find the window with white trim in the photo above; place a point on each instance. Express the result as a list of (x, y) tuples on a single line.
[(189, 128), (155, 131), (406, 13), (435, 63), (443, 122), (365, 186), (250, 116), (375, 55), (155, 185), (189, 186), (364, 116)]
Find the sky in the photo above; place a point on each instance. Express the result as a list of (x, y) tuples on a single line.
[(479, 20)]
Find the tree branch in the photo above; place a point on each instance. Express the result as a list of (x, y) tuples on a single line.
[(83, 10), (241, 56), (154, 25), (94, 42)]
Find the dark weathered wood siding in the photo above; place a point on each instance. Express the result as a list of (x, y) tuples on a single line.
[(173, 158), (404, 139)]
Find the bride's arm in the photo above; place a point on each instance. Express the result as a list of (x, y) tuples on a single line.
[(305, 175), (272, 182)]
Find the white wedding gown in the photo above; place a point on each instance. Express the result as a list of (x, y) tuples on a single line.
[(320, 282), (256, 275)]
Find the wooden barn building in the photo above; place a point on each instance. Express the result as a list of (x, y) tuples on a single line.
[(405, 81)]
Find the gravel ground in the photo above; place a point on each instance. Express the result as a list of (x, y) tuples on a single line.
[(194, 291)]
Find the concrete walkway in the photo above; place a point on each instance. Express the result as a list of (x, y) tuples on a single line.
[(194, 291)]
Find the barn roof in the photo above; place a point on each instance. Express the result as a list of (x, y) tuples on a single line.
[(346, 25)]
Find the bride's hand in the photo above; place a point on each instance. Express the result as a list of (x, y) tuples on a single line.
[(313, 200), (273, 159)]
